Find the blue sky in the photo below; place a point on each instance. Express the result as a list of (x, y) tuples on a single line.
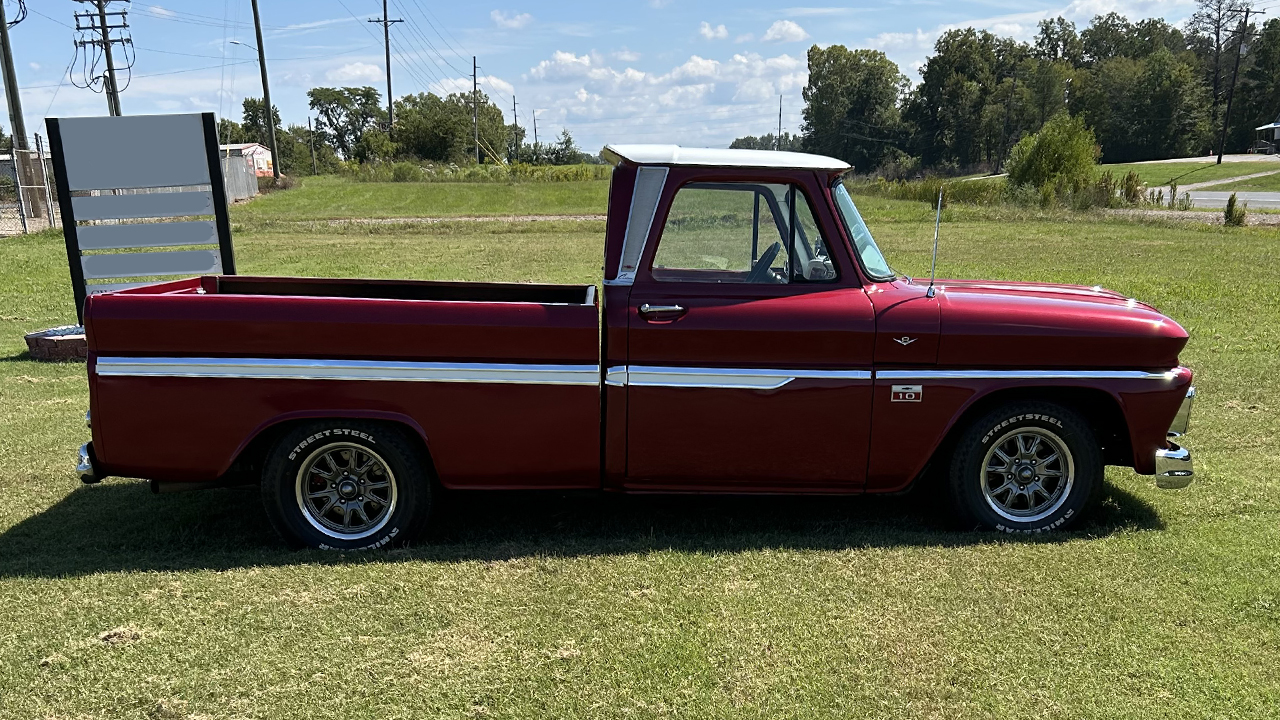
[(693, 73)]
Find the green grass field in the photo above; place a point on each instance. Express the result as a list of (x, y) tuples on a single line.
[(330, 197), (1267, 183), (115, 603), (1186, 173)]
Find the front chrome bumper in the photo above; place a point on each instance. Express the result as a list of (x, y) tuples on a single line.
[(1173, 463), (88, 473)]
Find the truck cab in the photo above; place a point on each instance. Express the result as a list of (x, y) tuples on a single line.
[(752, 338)]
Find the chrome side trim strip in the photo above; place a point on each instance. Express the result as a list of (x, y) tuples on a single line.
[(1023, 375), (617, 376), (263, 368), (729, 378)]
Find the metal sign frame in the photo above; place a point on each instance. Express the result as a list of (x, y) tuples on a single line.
[(137, 206)]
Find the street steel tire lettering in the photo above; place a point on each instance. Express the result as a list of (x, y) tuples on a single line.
[(346, 485), (1027, 467)]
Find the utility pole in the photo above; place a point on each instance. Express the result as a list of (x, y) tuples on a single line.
[(97, 22), (386, 24), (311, 140), (1231, 91), (515, 120), (777, 143), (266, 95), (16, 123), (535, 130), (475, 105)]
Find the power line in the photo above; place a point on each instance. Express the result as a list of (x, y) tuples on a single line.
[(427, 41), (428, 15), (386, 23), (98, 21), (159, 74)]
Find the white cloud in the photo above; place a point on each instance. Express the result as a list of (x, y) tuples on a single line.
[(353, 72), (498, 90), (157, 10), (510, 21), (626, 55), (745, 37), (34, 65), (785, 31), (659, 3), (718, 32)]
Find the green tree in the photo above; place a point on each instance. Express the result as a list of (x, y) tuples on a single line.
[(1258, 97), (789, 142), (1211, 30), (949, 110), (430, 128), (565, 151), (1058, 41), (851, 105), (345, 114), (255, 122), (295, 152), (1145, 108), (231, 132)]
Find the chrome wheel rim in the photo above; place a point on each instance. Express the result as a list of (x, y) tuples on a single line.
[(346, 491), (1027, 475)]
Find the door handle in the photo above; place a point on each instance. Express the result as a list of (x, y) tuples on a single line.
[(647, 310)]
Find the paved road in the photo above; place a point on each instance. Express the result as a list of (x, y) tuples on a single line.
[(1218, 199)]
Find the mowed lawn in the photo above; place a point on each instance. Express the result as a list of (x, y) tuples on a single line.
[(329, 197), (1186, 173), (117, 603), (1266, 183)]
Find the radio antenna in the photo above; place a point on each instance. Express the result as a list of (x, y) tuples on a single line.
[(933, 269)]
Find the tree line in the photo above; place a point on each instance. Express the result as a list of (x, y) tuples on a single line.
[(1147, 89), (351, 127)]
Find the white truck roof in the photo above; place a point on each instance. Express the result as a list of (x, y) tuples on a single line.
[(713, 157)]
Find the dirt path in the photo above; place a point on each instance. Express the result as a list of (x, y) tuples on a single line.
[(463, 218), (1193, 216)]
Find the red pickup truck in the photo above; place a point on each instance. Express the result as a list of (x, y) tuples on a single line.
[(750, 338)]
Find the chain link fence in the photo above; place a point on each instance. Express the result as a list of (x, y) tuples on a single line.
[(29, 197), (28, 201)]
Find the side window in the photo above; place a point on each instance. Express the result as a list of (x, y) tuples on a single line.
[(741, 233)]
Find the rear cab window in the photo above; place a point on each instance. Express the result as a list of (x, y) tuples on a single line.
[(747, 233)]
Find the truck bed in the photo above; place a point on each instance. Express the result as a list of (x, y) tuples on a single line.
[(497, 378)]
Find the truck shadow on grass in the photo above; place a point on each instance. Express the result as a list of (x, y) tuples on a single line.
[(121, 526)]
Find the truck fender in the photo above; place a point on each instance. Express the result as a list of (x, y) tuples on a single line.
[(315, 414)]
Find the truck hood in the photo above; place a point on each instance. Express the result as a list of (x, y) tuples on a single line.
[(1038, 325)]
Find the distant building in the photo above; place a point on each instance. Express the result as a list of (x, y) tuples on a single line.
[(258, 153)]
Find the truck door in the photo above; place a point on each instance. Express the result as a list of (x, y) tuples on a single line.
[(749, 345)]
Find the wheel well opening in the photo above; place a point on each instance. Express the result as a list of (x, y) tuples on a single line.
[(1098, 408), (247, 468)]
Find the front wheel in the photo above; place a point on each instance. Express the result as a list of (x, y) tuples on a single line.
[(1026, 468), (345, 485)]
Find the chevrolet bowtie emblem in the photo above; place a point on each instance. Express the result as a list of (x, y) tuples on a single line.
[(904, 340)]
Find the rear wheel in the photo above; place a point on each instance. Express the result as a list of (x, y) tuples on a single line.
[(344, 485), (1026, 468)]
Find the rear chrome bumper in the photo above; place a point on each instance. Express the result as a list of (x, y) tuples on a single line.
[(88, 473), (1173, 463)]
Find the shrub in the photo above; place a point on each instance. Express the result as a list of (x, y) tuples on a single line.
[(1234, 215), (267, 183), (405, 171), (1132, 189), (1173, 192), (983, 191), (1183, 203), (1061, 155)]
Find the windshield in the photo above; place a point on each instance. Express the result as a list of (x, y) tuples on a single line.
[(872, 259)]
